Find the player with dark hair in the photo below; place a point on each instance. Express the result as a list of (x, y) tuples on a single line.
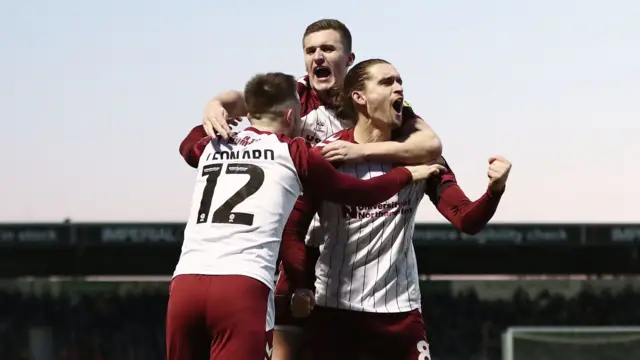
[(326, 45), (327, 49), (367, 295), (221, 296)]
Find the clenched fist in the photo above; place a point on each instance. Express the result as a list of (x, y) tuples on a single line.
[(498, 172), (302, 302)]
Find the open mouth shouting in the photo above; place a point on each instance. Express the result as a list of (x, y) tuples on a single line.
[(322, 73), (398, 104)]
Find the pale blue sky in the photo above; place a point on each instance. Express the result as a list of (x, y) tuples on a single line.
[(97, 95)]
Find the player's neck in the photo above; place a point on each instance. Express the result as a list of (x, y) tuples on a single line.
[(325, 97), (366, 132), (269, 126)]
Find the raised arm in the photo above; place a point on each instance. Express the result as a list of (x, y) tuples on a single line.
[(467, 216)]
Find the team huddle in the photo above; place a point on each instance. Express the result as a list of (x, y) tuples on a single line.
[(327, 178)]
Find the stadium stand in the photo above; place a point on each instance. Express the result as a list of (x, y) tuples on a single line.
[(461, 326)]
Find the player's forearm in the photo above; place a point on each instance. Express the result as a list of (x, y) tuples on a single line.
[(293, 251), (193, 145), (467, 216), (233, 102), (301, 271), (312, 254), (293, 257), (332, 185), (421, 145)]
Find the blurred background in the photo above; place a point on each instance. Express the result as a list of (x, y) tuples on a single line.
[(108, 298)]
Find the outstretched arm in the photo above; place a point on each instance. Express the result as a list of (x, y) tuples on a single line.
[(330, 184)]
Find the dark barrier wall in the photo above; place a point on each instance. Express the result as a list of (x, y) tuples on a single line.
[(153, 249)]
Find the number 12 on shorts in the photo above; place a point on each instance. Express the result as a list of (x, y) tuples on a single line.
[(224, 214)]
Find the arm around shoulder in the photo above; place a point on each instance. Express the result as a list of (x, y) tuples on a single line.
[(418, 144), (193, 145)]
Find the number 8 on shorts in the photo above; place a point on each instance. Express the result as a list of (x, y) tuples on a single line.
[(423, 350)]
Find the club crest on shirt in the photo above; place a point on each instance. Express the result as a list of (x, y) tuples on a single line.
[(320, 129), (316, 132)]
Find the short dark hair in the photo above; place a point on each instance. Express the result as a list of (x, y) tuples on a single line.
[(330, 24), (270, 94), (353, 81)]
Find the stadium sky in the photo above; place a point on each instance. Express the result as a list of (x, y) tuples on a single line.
[(97, 95)]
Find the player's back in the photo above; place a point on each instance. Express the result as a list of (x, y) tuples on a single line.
[(245, 190), (367, 260)]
